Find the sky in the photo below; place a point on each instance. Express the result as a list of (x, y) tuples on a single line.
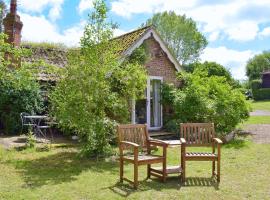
[(235, 29)]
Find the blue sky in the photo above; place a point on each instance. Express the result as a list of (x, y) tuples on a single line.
[(236, 29)]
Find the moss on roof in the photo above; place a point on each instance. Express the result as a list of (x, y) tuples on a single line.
[(46, 45), (51, 54), (57, 54), (125, 41)]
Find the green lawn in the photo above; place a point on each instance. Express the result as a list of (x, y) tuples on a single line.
[(260, 105), (257, 120), (61, 174)]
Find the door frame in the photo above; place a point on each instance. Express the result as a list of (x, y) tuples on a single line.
[(148, 104)]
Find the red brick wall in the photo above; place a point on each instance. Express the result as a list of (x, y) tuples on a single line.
[(13, 27), (158, 63)]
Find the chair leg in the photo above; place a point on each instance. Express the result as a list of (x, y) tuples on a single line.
[(51, 133), (218, 170), (45, 134), (164, 169), (183, 171), (213, 168), (148, 171), (135, 175), (121, 170)]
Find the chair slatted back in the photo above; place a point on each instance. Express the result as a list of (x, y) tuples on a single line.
[(136, 133), (197, 134)]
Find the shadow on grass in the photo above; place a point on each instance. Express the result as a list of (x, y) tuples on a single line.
[(201, 181), (58, 168), (125, 189)]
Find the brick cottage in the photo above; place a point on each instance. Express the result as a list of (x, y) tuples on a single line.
[(161, 66)]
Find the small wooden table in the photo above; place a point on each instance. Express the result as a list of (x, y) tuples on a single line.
[(170, 169), (172, 143)]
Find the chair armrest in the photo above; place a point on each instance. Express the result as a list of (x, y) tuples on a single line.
[(183, 141), (158, 142), (134, 145), (217, 140), (129, 144)]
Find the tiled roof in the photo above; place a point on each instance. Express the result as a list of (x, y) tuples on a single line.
[(52, 56), (127, 40), (59, 56), (55, 56)]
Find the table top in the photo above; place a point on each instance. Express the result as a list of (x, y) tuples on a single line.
[(172, 142), (36, 116)]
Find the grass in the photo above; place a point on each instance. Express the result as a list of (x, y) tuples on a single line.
[(260, 105), (61, 174), (258, 120), (45, 45), (255, 120)]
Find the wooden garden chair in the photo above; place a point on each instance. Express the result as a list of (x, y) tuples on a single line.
[(136, 139), (199, 135)]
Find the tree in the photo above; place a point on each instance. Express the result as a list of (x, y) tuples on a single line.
[(258, 64), (94, 91), (181, 35), (213, 69), (2, 14)]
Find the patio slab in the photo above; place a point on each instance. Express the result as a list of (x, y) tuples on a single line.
[(9, 142)]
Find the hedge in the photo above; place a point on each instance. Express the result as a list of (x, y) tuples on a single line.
[(261, 94), (256, 84)]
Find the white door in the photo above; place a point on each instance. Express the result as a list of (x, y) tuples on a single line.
[(154, 106), (149, 109)]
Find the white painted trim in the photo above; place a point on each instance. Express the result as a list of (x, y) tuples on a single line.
[(148, 107), (156, 77), (148, 118), (164, 47), (133, 111)]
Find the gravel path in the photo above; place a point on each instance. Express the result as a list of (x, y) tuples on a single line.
[(260, 113), (259, 132)]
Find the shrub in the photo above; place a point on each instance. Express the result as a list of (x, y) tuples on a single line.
[(14, 100), (256, 84), (31, 140), (207, 99), (18, 88), (261, 94)]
